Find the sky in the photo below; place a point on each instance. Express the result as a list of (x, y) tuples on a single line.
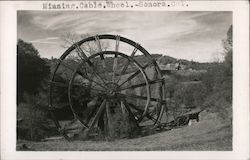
[(191, 35)]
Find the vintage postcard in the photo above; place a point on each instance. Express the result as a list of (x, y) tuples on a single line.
[(146, 79)]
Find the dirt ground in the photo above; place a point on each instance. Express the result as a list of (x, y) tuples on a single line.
[(210, 134)]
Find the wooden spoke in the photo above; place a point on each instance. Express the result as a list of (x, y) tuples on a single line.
[(91, 65), (136, 97), (99, 84), (84, 75), (91, 85), (135, 74), (114, 67), (91, 77), (78, 85), (98, 43), (82, 122), (123, 108), (141, 112), (75, 70), (117, 42), (103, 60), (98, 114), (130, 112), (124, 69), (108, 116), (63, 85), (80, 51), (98, 90), (141, 84), (135, 50), (100, 78), (104, 67), (131, 77), (92, 96), (92, 112), (80, 73)]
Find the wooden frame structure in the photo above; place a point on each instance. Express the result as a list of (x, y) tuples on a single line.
[(94, 76)]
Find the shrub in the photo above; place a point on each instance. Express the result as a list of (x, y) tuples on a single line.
[(219, 86), (218, 81), (190, 94), (32, 119), (32, 71), (121, 125)]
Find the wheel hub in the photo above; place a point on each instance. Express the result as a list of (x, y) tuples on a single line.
[(112, 89)]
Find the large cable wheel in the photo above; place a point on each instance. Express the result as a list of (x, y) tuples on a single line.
[(91, 86)]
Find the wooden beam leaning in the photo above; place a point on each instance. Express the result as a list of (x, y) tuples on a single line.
[(131, 114), (98, 114), (141, 112)]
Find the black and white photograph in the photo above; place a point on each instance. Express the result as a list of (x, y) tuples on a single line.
[(124, 80)]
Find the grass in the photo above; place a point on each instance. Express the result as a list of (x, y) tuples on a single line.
[(211, 133)]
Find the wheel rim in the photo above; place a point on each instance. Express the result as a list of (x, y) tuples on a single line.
[(141, 68)]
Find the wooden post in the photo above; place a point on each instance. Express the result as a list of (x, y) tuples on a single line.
[(109, 127)]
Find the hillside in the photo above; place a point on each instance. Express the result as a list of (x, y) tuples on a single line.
[(162, 59), (211, 133)]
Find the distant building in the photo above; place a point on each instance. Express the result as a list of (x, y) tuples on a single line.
[(171, 66)]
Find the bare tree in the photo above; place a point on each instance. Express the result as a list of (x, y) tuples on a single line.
[(89, 48)]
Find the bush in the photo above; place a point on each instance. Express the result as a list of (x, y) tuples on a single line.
[(32, 71), (218, 81), (219, 85), (122, 125), (32, 119), (191, 94)]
